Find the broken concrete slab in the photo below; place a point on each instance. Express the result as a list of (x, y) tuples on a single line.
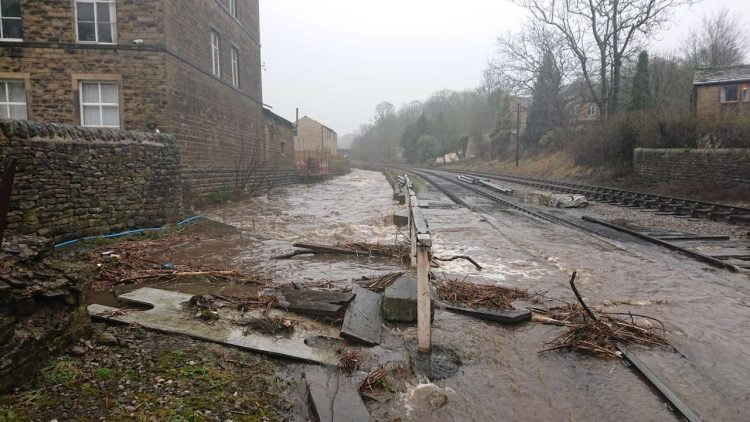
[(363, 320), (334, 396), (401, 218), (400, 301), (514, 316), (315, 302), (168, 315)]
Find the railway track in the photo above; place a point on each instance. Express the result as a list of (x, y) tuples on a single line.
[(717, 251), (662, 205), (496, 193)]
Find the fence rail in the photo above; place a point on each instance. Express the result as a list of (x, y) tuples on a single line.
[(421, 250)]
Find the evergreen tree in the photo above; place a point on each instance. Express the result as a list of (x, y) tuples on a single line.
[(504, 124), (412, 133), (546, 112), (641, 97)]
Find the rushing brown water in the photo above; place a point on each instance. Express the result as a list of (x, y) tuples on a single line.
[(502, 375)]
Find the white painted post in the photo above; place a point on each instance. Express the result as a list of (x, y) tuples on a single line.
[(424, 309)]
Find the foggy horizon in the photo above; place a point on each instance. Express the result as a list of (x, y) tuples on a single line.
[(317, 56)]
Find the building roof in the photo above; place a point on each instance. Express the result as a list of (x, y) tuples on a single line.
[(721, 75), (317, 122), (273, 116)]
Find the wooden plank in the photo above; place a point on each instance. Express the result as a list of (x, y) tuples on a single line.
[(515, 316), (424, 306), (363, 320), (338, 250)]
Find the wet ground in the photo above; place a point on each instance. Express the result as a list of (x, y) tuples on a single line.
[(704, 309), (501, 376)]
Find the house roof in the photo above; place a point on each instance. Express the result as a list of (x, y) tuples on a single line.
[(721, 75), (317, 122), (273, 116)]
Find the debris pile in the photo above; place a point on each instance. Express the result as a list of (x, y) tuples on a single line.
[(398, 251), (374, 381), (378, 284), (268, 325), (204, 307), (477, 295), (133, 261), (599, 333), (349, 361)]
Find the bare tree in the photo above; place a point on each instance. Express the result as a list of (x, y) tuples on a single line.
[(520, 55), (719, 42), (602, 35)]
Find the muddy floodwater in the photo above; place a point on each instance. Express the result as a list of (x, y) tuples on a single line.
[(502, 375)]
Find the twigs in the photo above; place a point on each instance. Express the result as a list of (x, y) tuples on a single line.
[(480, 295), (268, 325), (381, 283), (399, 251), (453, 258), (598, 333), (374, 381), (349, 360)]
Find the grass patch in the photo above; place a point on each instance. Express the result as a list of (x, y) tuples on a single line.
[(63, 371), (103, 373)]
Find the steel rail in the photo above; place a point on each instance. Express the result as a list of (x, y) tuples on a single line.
[(680, 206), (670, 396)]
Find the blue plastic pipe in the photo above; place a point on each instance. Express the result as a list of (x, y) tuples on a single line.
[(128, 232)]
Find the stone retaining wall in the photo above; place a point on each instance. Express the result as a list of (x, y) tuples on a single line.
[(691, 167), (73, 182)]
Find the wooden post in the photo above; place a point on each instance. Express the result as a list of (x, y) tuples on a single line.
[(424, 308)]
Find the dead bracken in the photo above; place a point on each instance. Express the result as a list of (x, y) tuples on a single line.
[(477, 295)]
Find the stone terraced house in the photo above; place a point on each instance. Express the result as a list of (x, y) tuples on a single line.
[(722, 91), (187, 67)]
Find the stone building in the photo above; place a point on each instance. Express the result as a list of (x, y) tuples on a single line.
[(187, 67), (722, 91), (314, 140)]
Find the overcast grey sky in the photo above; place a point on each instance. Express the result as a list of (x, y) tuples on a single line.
[(337, 59)]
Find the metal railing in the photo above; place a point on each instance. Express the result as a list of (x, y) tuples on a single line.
[(421, 250)]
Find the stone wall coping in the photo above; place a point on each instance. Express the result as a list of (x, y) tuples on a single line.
[(694, 150), (29, 129)]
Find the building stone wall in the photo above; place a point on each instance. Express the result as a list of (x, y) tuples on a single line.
[(694, 167), (708, 103), (165, 81), (73, 182), (314, 140)]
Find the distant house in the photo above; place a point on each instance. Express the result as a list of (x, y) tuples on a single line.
[(579, 106), (721, 91), (314, 140)]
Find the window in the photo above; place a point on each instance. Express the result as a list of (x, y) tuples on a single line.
[(235, 67), (12, 100), (10, 17), (100, 106), (730, 93), (233, 7), (592, 111), (95, 21), (746, 93), (215, 54)]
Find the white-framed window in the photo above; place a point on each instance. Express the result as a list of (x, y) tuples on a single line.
[(730, 93), (235, 67), (10, 20), (12, 99), (96, 21), (745, 93), (100, 104), (592, 110), (233, 7), (215, 53)]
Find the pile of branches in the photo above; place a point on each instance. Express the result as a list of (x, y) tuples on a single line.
[(374, 381), (598, 333), (378, 284), (348, 360), (131, 262), (268, 325), (398, 251), (477, 295)]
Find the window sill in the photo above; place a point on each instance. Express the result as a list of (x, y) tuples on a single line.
[(96, 43), (11, 39)]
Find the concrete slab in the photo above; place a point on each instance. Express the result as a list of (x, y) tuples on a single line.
[(363, 320), (168, 315), (515, 316), (401, 218), (334, 396), (315, 302), (400, 301)]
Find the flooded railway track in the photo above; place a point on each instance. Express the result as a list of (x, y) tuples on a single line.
[(717, 251), (675, 403), (666, 205)]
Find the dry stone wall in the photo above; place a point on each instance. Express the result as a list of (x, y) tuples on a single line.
[(691, 167), (73, 181)]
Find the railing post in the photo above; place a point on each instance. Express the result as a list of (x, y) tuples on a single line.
[(424, 308)]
